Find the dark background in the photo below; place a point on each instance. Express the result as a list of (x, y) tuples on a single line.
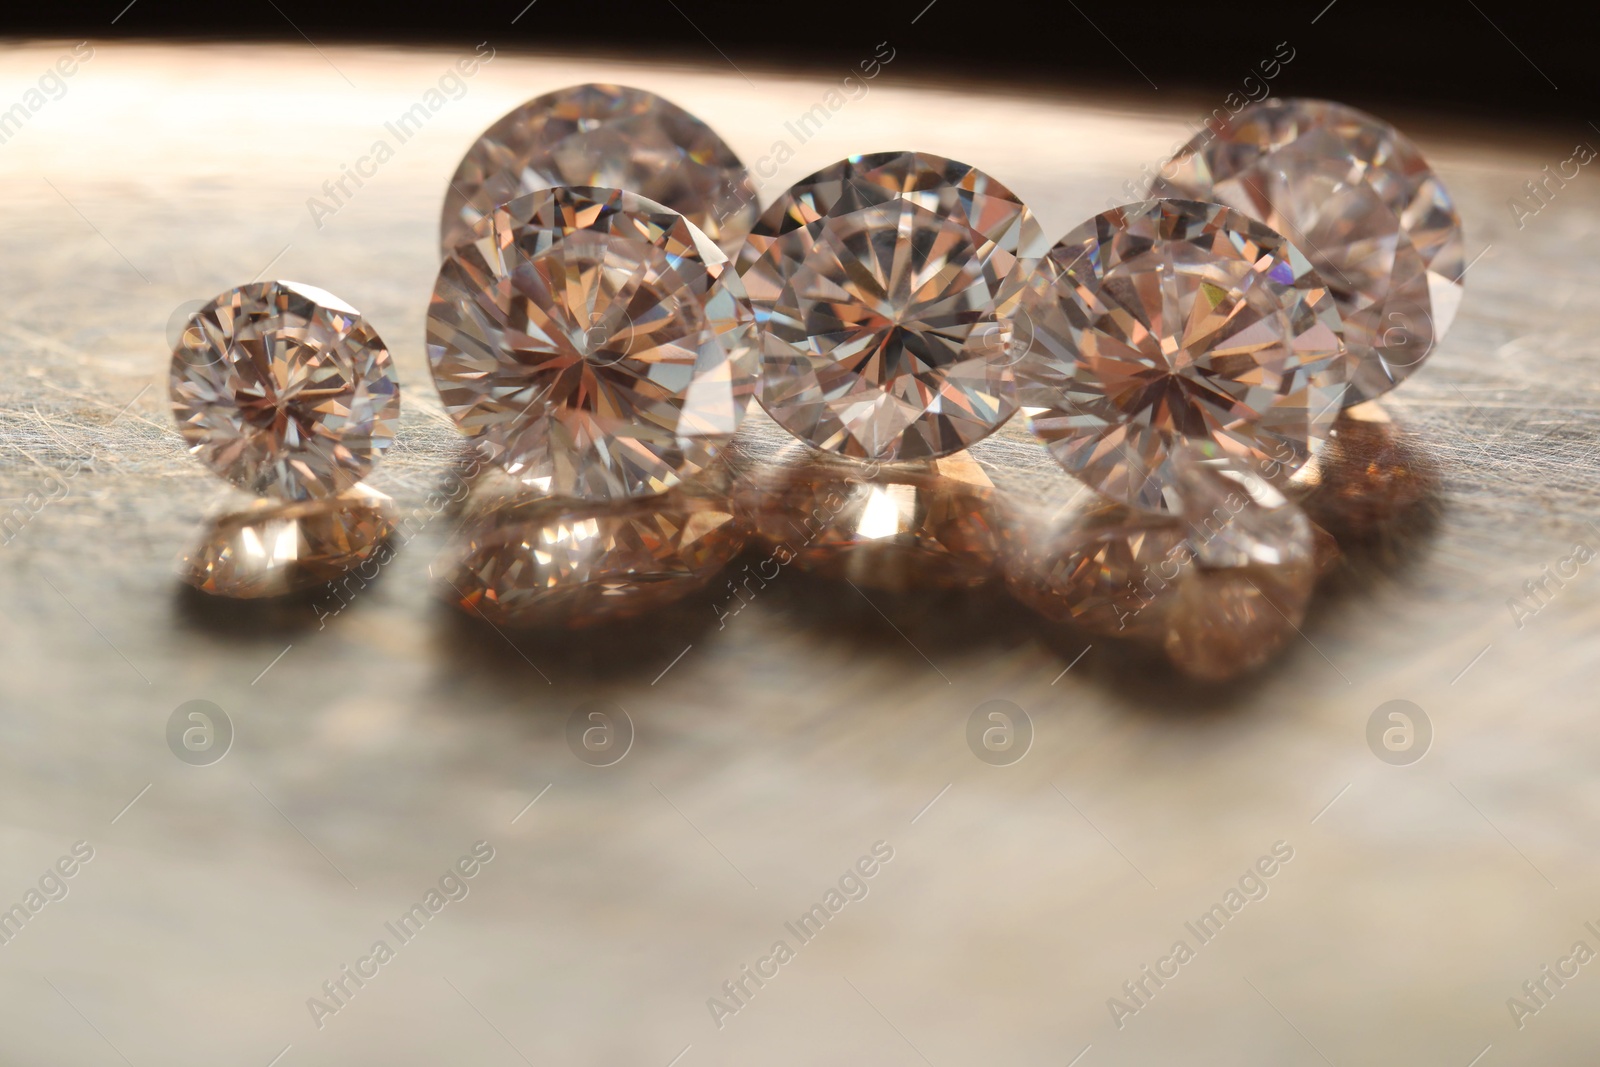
[(1534, 62)]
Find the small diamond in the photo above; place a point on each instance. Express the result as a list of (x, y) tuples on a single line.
[(1358, 198), (284, 390), (1168, 323), (271, 549), (538, 562), (609, 136), (596, 344), (928, 524), (884, 285)]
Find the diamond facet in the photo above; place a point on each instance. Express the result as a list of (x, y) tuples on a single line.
[(609, 136), (538, 562), (1358, 198), (596, 344), (284, 390), (271, 549), (1168, 324), (884, 286)]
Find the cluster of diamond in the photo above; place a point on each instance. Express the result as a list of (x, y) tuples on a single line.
[(903, 306), (610, 304)]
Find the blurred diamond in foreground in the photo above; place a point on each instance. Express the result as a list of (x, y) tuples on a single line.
[(1355, 195)]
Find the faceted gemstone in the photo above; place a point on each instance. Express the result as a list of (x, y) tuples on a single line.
[(593, 343), (284, 390), (539, 562), (1166, 325), (270, 548), (609, 136), (884, 286), (929, 524), (1358, 198)]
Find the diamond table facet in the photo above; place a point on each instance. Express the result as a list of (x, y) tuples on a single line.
[(609, 136), (284, 390), (1168, 324), (884, 286), (593, 342), (1360, 201)]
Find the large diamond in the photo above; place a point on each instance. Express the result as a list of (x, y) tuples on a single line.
[(609, 136), (284, 390), (1358, 198), (884, 286), (1168, 323), (597, 344)]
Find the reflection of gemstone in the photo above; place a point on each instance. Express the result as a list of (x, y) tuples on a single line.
[(610, 136), (884, 285), (552, 563), (932, 524), (1166, 324), (1358, 198), (1253, 573), (1107, 570), (270, 549), (284, 390), (1220, 586), (1367, 477), (596, 343)]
